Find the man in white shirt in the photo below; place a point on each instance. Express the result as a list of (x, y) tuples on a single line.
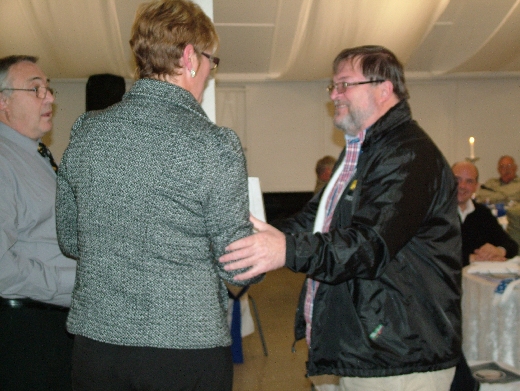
[(483, 239), (36, 279)]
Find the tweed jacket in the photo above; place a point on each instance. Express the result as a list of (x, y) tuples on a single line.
[(149, 193)]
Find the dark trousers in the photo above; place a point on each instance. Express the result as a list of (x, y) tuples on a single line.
[(35, 349), (464, 380), (99, 366)]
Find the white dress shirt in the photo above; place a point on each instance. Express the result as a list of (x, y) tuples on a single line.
[(469, 209)]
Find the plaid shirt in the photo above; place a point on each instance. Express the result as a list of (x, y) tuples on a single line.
[(352, 151)]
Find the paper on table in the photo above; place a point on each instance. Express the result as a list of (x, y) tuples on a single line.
[(256, 201), (489, 267)]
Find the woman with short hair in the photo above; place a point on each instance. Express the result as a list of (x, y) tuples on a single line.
[(150, 192)]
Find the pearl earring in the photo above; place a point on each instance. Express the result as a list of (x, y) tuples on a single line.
[(192, 73)]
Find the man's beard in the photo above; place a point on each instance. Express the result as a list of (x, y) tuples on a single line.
[(352, 122)]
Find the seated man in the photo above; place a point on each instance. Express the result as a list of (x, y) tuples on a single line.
[(483, 239), (324, 168), (503, 189)]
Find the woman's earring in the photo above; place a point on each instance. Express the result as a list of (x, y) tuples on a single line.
[(192, 73)]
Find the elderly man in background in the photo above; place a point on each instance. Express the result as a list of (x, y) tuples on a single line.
[(483, 238), (503, 189), (381, 244), (36, 279)]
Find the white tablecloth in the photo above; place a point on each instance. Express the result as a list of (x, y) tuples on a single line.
[(490, 332)]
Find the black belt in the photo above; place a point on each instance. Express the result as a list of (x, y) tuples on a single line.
[(29, 303)]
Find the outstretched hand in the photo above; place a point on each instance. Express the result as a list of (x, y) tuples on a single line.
[(261, 252)]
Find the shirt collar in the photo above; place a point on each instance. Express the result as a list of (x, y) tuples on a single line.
[(353, 139), (24, 142), (470, 207)]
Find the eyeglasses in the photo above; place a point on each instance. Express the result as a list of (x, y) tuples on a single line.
[(212, 59), (342, 86), (41, 91)]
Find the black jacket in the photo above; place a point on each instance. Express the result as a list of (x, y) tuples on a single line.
[(391, 261), (481, 227)]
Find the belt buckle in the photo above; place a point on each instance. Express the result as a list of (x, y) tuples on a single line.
[(14, 303)]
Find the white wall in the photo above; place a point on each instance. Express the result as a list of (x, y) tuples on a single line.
[(288, 130), (286, 127), (452, 111)]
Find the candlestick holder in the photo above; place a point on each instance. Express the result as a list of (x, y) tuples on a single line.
[(472, 159)]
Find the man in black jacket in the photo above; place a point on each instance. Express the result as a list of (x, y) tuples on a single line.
[(483, 239), (380, 245)]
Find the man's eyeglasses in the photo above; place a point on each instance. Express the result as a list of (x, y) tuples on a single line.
[(41, 91), (342, 86), (212, 59)]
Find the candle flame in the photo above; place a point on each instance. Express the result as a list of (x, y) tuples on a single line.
[(471, 140)]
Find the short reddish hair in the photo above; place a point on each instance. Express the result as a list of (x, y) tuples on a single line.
[(161, 31)]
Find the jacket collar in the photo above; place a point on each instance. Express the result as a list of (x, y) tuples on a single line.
[(169, 94), (397, 115)]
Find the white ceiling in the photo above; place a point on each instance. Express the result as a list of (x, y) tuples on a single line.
[(276, 39)]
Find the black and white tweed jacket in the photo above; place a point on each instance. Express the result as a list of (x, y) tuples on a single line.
[(150, 192)]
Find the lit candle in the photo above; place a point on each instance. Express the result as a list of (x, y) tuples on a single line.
[(472, 148)]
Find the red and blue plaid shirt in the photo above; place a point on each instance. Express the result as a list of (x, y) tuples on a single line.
[(352, 151)]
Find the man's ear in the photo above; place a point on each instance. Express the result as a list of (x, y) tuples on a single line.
[(387, 89), (3, 101)]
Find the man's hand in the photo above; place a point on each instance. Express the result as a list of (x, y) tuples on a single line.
[(488, 252), (262, 252)]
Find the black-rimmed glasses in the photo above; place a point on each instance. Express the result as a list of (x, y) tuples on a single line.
[(212, 59), (41, 91), (342, 86)]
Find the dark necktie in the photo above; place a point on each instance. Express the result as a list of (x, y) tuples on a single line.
[(44, 151)]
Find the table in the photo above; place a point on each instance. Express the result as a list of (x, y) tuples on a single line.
[(512, 385), (490, 332)]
